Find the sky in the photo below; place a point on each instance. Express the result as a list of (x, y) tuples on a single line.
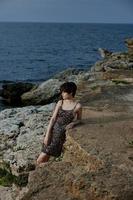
[(86, 11)]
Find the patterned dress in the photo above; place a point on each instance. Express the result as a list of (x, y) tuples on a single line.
[(58, 137)]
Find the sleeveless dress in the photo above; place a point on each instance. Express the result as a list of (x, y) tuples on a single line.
[(58, 137)]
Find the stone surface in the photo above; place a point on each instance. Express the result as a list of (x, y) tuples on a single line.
[(11, 92), (114, 62), (104, 53), (70, 74), (96, 164), (21, 131), (48, 91), (45, 93), (105, 136), (5, 193)]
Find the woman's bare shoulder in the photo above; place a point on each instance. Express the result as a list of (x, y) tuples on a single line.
[(78, 107), (59, 102), (56, 108)]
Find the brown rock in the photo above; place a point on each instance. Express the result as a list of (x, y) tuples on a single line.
[(129, 43), (96, 165)]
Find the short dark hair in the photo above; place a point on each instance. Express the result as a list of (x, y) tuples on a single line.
[(69, 87)]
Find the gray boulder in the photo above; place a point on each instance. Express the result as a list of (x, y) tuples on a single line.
[(21, 134), (11, 92), (46, 92)]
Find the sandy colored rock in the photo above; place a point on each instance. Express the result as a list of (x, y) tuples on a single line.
[(97, 161)]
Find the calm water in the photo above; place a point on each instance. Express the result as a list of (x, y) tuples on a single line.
[(35, 51)]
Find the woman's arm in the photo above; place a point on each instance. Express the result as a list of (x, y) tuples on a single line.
[(52, 119)]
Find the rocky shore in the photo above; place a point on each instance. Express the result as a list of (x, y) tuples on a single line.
[(97, 158)]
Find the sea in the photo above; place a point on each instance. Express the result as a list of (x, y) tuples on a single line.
[(34, 52)]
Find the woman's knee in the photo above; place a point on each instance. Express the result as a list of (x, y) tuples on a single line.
[(42, 158)]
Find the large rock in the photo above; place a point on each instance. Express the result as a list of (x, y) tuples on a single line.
[(21, 131), (116, 61), (11, 92), (48, 91), (102, 148), (45, 93), (129, 43), (97, 162)]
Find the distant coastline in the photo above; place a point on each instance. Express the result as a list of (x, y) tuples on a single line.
[(52, 22)]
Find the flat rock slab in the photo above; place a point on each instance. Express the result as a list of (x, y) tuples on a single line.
[(5, 193), (104, 139)]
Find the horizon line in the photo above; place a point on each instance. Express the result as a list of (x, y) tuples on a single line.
[(52, 22)]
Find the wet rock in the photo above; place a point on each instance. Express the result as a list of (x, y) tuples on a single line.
[(11, 92)]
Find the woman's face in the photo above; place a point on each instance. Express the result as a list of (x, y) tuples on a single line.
[(66, 95)]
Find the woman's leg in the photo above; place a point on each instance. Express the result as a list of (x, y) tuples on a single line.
[(43, 157)]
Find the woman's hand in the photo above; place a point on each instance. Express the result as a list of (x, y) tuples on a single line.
[(69, 126)]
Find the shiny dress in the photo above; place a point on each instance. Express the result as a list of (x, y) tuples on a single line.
[(58, 136)]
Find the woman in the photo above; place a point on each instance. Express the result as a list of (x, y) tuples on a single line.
[(67, 113)]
